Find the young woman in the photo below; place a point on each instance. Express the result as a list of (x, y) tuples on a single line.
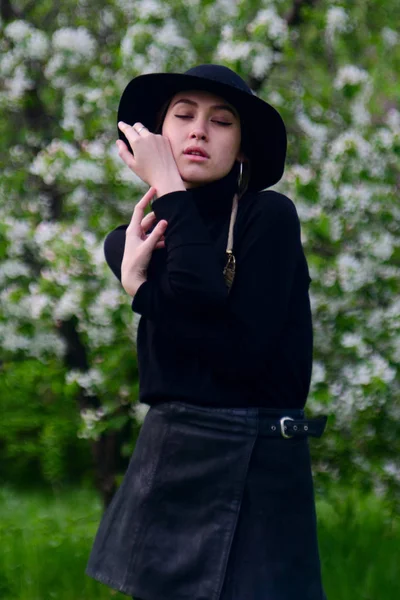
[(218, 501)]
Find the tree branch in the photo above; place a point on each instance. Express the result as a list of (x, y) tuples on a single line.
[(293, 16), (7, 11)]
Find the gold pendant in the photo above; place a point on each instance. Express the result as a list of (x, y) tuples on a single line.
[(229, 270)]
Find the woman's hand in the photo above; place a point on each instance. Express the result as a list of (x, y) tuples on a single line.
[(152, 158), (139, 245)]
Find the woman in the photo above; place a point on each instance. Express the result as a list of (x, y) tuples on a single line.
[(217, 502)]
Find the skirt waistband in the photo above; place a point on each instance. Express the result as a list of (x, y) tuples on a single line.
[(271, 422)]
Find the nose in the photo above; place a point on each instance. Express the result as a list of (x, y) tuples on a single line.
[(199, 131)]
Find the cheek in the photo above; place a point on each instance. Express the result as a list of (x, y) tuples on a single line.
[(231, 148)]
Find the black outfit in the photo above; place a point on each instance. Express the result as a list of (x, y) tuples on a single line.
[(216, 504), (201, 345)]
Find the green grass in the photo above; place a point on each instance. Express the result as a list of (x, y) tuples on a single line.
[(45, 540), (359, 539), (44, 545)]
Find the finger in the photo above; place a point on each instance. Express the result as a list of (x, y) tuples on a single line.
[(141, 129), (155, 236), (128, 130), (148, 221), (124, 153), (138, 213)]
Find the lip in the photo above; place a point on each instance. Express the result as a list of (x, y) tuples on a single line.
[(201, 151)]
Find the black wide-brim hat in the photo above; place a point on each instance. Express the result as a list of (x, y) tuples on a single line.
[(263, 131)]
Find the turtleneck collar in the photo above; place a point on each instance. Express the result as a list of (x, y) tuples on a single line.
[(216, 198)]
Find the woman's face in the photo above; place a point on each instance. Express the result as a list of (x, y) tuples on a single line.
[(204, 133)]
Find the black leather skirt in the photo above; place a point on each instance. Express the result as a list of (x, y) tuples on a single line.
[(212, 507)]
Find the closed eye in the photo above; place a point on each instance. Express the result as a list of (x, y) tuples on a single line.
[(224, 123)]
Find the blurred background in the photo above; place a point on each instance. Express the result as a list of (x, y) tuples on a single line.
[(69, 415)]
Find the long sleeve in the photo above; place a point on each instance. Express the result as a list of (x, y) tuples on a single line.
[(193, 276), (240, 334)]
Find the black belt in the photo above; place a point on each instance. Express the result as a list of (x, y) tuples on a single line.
[(287, 427)]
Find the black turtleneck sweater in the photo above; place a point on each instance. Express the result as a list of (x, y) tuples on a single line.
[(199, 343)]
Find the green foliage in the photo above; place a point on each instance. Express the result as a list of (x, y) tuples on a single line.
[(46, 541), (38, 427), (331, 69)]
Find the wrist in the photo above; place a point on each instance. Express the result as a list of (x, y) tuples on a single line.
[(166, 187), (131, 287)]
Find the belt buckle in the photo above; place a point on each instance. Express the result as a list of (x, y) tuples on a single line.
[(283, 427)]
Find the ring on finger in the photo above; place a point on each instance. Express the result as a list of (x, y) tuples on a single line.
[(139, 130)]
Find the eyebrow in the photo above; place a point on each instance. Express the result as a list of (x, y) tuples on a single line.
[(214, 106)]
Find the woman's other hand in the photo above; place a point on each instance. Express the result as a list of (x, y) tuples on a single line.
[(139, 245), (152, 158)]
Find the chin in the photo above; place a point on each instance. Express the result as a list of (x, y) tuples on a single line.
[(191, 181)]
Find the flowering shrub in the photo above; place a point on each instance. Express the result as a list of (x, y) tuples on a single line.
[(328, 68)]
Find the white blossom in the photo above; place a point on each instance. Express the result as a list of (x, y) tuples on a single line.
[(19, 83), (95, 149), (350, 340), (316, 131), (381, 369), (350, 75), (233, 50), (55, 63), (71, 120), (268, 20), (318, 373), (123, 173), (390, 37), (107, 301), (275, 98), (352, 274), (9, 61), (69, 303), (381, 246), (12, 269), (89, 381), (337, 21), (37, 46), (17, 233), (336, 228), (18, 30), (303, 174), (140, 411), (84, 170), (351, 140), (78, 41), (262, 63), (151, 8), (359, 111), (46, 231), (38, 302), (359, 374), (11, 340), (384, 138), (99, 336), (47, 342), (393, 120), (170, 36)]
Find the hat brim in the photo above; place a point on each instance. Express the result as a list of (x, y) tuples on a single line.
[(261, 124)]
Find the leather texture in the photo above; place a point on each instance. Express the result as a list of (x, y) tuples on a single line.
[(212, 508)]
